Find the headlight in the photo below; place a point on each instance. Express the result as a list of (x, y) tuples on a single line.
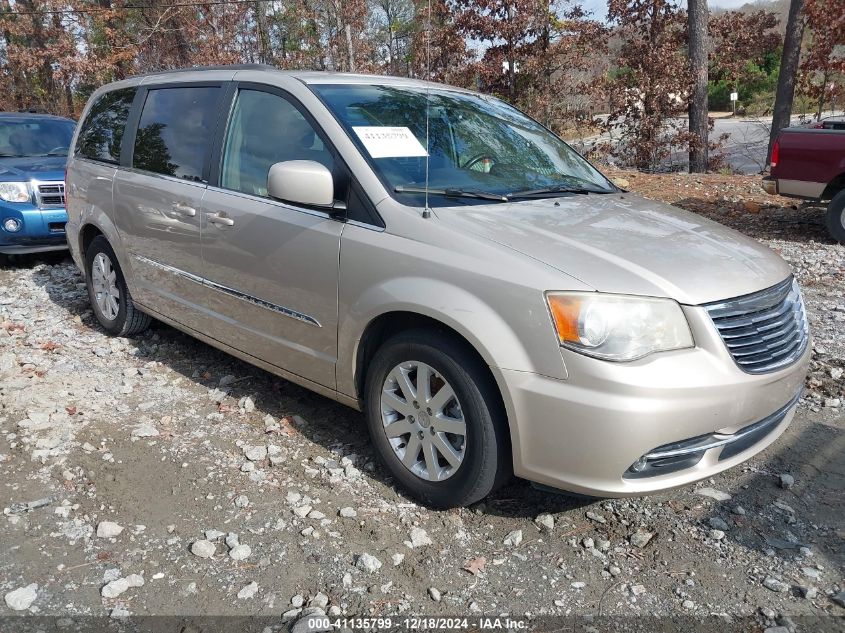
[(14, 191), (618, 327)]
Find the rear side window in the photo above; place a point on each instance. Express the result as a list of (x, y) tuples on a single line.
[(102, 131), (175, 130)]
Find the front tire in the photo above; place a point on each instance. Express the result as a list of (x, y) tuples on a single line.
[(436, 419), (835, 217), (107, 291)]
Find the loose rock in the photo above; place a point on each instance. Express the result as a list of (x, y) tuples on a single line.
[(546, 522), (776, 585), (718, 495), (595, 516), (240, 552), (419, 537), (22, 598), (718, 524), (108, 529), (203, 548), (249, 591), (368, 563), (640, 538)]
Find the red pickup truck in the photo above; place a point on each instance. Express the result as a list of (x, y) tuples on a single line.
[(809, 163)]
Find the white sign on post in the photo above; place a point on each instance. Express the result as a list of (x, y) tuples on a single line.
[(734, 96), (389, 142)]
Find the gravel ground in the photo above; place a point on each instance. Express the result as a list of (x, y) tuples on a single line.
[(156, 475)]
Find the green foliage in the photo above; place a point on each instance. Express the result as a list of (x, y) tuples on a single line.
[(758, 81)]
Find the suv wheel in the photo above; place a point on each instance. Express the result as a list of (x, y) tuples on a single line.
[(436, 419), (836, 217), (110, 298)]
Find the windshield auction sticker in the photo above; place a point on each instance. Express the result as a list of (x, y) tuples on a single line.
[(389, 142)]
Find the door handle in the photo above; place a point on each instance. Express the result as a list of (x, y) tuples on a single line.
[(220, 219), (184, 209)]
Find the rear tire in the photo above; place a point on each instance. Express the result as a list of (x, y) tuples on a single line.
[(455, 449), (107, 291), (835, 217)]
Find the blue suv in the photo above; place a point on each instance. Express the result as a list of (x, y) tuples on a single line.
[(33, 152)]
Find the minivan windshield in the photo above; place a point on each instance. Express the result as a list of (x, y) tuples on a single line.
[(35, 137), (480, 150)]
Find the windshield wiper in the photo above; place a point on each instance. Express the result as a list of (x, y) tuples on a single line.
[(528, 193), (451, 192), (5, 155)]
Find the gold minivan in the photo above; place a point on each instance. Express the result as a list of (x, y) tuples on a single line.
[(442, 262)]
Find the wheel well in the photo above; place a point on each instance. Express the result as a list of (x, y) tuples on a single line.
[(89, 232), (387, 325), (833, 187)]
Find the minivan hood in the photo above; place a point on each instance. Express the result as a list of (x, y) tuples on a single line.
[(622, 243), (24, 168)]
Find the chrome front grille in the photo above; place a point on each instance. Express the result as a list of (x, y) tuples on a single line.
[(764, 331), (50, 195)]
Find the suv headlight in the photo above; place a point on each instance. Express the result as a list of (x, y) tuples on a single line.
[(618, 327), (14, 191)]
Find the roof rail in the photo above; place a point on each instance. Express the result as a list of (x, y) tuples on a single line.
[(200, 68)]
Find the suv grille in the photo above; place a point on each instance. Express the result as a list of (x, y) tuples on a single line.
[(50, 195), (764, 331)]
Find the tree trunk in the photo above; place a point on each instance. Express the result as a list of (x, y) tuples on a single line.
[(697, 16), (69, 101), (511, 60), (821, 97), (42, 72), (18, 81), (265, 53), (350, 49), (788, 71)]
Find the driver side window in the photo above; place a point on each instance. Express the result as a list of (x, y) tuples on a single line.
[(265, 129)]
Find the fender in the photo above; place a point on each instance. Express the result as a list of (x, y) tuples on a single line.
[(469, 315)]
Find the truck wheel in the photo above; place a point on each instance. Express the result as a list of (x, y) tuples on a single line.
[(836, 217), (110, 298), (436, 419)]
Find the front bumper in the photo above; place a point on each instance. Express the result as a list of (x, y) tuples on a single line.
[(583, 434), (33, 247), (41, 230)]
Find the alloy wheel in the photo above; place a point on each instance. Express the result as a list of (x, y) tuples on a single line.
[(104, 280), (423, 421)]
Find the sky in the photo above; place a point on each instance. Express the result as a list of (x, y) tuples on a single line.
[(599, 7)]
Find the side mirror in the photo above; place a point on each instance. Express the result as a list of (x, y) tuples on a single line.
[(304, 182)]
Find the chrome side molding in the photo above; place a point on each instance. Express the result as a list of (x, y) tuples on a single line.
[(261, 303)]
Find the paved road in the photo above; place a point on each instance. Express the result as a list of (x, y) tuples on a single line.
[(744, 149)]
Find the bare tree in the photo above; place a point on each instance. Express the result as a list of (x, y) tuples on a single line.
[(788, 71), (697, 19)]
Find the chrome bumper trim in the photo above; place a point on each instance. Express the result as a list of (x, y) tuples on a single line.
[(714, 440), (677, 456)]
